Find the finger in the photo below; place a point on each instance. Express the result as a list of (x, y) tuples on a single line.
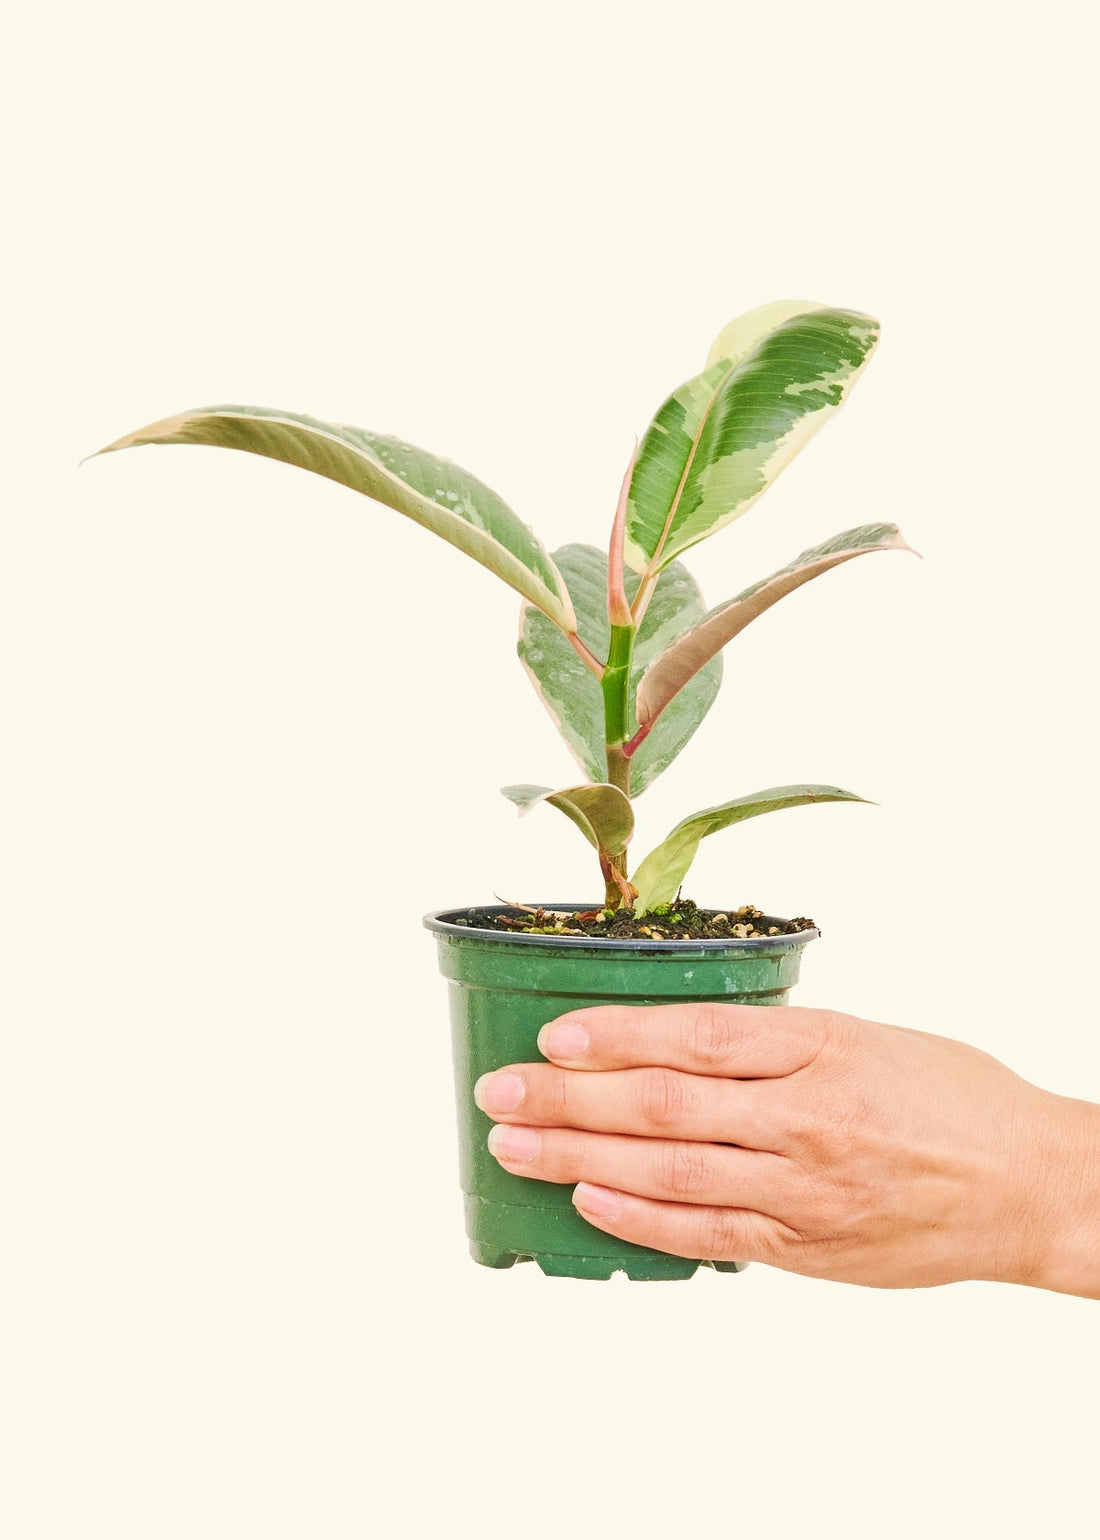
[(673, 1169), (748, 1041), (713, 1234), (649, 1101)]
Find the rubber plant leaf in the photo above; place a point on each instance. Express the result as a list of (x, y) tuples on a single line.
[(772, 379), (669, 673), (601, 812), (572, 695), (659, 876), (431, 491)]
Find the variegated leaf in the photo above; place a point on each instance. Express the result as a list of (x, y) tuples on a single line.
[(572, 694), (743, 333), (720, 440), (659, 877), (431, 491), (674, 668), (601, 812)]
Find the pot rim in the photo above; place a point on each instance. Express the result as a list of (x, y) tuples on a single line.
[(440, 921)]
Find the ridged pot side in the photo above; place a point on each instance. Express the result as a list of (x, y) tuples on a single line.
[(503, 989)]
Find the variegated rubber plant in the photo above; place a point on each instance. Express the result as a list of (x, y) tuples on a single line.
[(620, 647)]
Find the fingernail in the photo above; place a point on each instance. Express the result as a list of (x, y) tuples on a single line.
[(499, 1091), (563, 1040), (600, 1202), (517, 1146)]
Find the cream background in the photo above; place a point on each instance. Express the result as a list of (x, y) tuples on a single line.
[(236, 1296)]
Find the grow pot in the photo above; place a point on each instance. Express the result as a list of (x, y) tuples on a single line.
[(503, 988)]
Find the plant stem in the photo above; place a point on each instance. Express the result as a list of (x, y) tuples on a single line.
[(616, 684), (631, 748), (617, 720), (643, 596), (590, 662), (612, 898), (617, 887), (618, 774), (618, 768)]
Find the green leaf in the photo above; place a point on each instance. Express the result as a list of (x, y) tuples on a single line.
[(431, 491), (572, 695), (717, 443), (746, 331), (669, 673), (601, 812), (659, 877)]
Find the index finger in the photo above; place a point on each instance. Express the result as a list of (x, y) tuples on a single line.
[(744, 1042)]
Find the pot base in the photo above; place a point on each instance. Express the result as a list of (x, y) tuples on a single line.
[(658, 1269), (502, 1234)]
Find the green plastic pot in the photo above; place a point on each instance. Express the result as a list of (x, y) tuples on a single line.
[(503, 989)]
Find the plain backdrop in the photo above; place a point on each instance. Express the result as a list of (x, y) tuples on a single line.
[(254, 727)]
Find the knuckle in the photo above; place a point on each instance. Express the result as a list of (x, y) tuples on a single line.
[(796, 1114), (803, 1127), (826, 1256), (833, 1217), (823, 1121), (684, 1169), (836, 1036), (720, 1234), (710, 1037), (832, 1131), (559, 1097), (663, 1098), (820, 1209), (568, 1156)]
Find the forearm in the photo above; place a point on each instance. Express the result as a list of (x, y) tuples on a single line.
[(1066, 1221)]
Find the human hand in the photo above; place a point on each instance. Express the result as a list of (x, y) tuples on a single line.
[(810, 1140)]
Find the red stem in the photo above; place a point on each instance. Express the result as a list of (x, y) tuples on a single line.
[(589, 660), (628, 750)]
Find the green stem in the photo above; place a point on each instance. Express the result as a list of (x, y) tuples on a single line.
[(616, 685), (617, 725)]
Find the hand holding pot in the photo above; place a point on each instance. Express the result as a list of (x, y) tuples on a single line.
[(810, 1140)]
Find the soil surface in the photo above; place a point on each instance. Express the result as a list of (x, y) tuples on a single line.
[(682, 921)]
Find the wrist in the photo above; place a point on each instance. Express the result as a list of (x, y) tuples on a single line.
[(1066, 1254)]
